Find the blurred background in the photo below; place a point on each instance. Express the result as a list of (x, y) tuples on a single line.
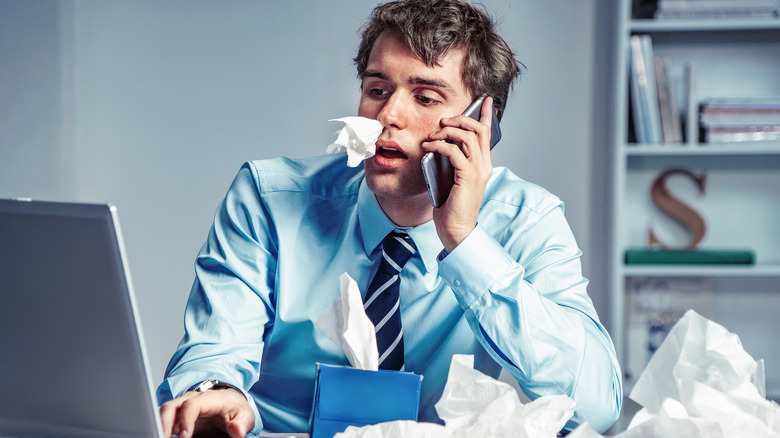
[(153, 106)]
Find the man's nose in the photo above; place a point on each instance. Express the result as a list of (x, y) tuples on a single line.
[(392, 113)]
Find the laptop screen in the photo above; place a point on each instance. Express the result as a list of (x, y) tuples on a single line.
[(71, 356)]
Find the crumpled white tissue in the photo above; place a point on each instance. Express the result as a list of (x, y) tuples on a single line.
[(397, 429), (672, 420), (700, 383), (474, 405), (703, 367), (358, 137), (345, 322)]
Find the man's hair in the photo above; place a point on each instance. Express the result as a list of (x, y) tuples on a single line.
[(431, 28)]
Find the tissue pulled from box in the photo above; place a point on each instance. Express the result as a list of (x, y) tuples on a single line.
[(346, 324), (473, 405), (358, 137), (700, 383)]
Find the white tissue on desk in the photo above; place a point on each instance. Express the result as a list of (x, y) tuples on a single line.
[(358, 137), (700, 383), (476, 405), (345, 322), (397, 429)]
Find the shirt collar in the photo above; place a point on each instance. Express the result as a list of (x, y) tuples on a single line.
[(375, 225)]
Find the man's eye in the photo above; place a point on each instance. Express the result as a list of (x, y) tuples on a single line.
[(378, 91), (426, 100)]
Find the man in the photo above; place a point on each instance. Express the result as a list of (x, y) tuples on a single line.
[(494, 272)]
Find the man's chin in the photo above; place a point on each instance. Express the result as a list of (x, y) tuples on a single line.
[(398, 193)]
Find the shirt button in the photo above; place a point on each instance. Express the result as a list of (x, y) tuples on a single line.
[(456, 283)]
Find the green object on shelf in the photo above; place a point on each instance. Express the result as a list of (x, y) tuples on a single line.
[(688, 257)]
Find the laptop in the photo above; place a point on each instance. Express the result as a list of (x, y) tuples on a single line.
[(72, 359)]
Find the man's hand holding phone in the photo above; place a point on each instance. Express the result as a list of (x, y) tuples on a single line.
[(465, 143)]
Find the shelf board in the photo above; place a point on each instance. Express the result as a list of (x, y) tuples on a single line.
[(701, 149), (759, 270), (703, 25)]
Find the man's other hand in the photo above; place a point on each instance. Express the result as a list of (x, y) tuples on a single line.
[(216, 410)]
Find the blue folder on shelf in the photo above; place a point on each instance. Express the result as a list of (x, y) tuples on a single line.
[(688, 257)]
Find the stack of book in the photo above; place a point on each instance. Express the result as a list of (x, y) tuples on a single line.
[(740, 120), (654, 108), (696, 9)]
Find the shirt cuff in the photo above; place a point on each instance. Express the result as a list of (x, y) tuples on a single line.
[(474, 266)]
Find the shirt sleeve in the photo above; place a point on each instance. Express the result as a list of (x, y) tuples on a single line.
[(230, 304), (526, 301)]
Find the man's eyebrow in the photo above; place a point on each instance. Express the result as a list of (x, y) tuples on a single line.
[(414, 80), (373, 74)]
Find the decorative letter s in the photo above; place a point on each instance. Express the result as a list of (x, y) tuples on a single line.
[(677, 209)]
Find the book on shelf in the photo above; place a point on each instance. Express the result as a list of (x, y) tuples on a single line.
[(671, 128), (768, 104), (643, 8), (689, 256), (691, 105), (644, 95), (716, 9), (737, 134), (740, 119)]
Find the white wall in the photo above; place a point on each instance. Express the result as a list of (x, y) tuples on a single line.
[(153, 106)]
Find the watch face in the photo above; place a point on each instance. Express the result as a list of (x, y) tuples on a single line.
[(213, 384), (206, 385)]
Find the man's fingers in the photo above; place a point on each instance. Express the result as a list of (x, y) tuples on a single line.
[(488, 114), (446, 148), (463, 140), (473, 136), (461, 157), (208, 407), (168, 413), (222, 409), (240, 426), (168, 416)]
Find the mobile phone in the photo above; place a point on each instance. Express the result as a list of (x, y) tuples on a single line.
[(437, 169)]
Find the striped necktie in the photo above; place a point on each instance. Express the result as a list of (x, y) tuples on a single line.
[(382, 300)]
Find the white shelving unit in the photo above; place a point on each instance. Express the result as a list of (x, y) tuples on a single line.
[(741, 204)]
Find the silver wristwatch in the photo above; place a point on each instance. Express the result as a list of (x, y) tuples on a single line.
[(212, 384)]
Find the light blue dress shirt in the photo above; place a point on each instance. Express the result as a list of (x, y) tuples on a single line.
[(512, 294)]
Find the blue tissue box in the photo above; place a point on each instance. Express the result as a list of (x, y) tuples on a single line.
[(345, 396)]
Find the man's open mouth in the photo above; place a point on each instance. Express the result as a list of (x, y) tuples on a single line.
[(390, 153)]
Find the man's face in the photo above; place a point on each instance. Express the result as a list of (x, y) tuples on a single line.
[(409, 99)]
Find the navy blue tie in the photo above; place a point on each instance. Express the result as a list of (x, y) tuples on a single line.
[(382, 301)]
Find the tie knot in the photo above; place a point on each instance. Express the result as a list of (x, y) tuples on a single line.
[(397, 248)]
